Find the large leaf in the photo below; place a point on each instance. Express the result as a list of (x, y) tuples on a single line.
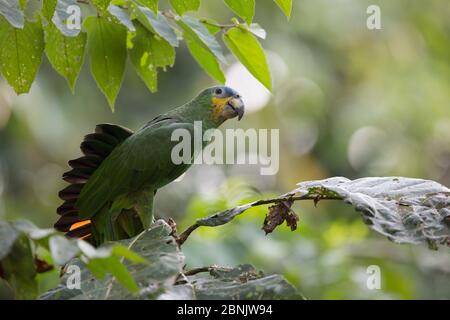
[(285, 6), (243, 283), (108, 53), (20, 53), (48, 9), (66, 54), (243, 8), (155, 23), (203, 47), (149, 52), (198, 31), (248, 50), (157, 276), (10, 9), (181, 6), (403, 209)]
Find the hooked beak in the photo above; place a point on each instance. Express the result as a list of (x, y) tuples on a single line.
[(237, 105)]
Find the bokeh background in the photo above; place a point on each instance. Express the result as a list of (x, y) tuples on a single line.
[(348, 102)]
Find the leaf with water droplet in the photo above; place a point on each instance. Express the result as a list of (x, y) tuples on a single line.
[(21, 53)]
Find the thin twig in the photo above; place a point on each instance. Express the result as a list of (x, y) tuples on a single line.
[(197, 270), (185, 234)]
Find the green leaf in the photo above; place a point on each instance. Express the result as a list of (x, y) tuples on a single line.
[(66, 54), (122, 16), (243, 8), (48, 9), (198, 31), (164, 262), (101, 4), (243, 282), (285, 6), (205, 58), (155, 23), (10, 9), (63, 15), (257, 31), (248, 50), (19, 269), (405, 210), (122, 251), (203, 47), (31, 230), (181, 6), (148, 52), (62, 249), (108, 54), (8, 234), (20, 53), (151, 4)]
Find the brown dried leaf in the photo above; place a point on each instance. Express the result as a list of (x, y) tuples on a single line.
[(278, 213)]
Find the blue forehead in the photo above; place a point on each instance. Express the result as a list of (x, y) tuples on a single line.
[(228, 91)]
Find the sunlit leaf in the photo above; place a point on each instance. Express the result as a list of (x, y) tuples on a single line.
[(101, 4), (20, 53), (148, 52), (48, 9), (243, 8), (285, 6), (156, 23), (66, 54), (248, 50), (151, 4), (107, 51), (257, 30), (205, 58), (197, 30), (181, 6)]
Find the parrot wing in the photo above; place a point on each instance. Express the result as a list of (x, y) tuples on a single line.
[(141, 161)]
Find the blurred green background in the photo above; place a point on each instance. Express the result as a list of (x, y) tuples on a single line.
[(348, 101)]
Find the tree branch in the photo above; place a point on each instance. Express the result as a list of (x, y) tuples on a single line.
[(315, 197)]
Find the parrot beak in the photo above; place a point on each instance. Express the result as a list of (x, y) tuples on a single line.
[(237, 105)]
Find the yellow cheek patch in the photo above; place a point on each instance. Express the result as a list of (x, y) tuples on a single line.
[(218, 105)]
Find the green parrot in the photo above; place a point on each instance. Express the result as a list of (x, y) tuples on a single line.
[(111, 191)]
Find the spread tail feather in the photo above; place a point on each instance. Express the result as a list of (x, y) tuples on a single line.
[(95, 147)]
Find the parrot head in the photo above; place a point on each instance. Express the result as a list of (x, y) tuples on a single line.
[(226, 103)]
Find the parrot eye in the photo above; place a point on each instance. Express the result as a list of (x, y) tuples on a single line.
[(218, 91)]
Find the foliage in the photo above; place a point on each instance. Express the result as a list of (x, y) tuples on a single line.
[(162, 277), (110, 27), (30, 258), (404, 209)]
